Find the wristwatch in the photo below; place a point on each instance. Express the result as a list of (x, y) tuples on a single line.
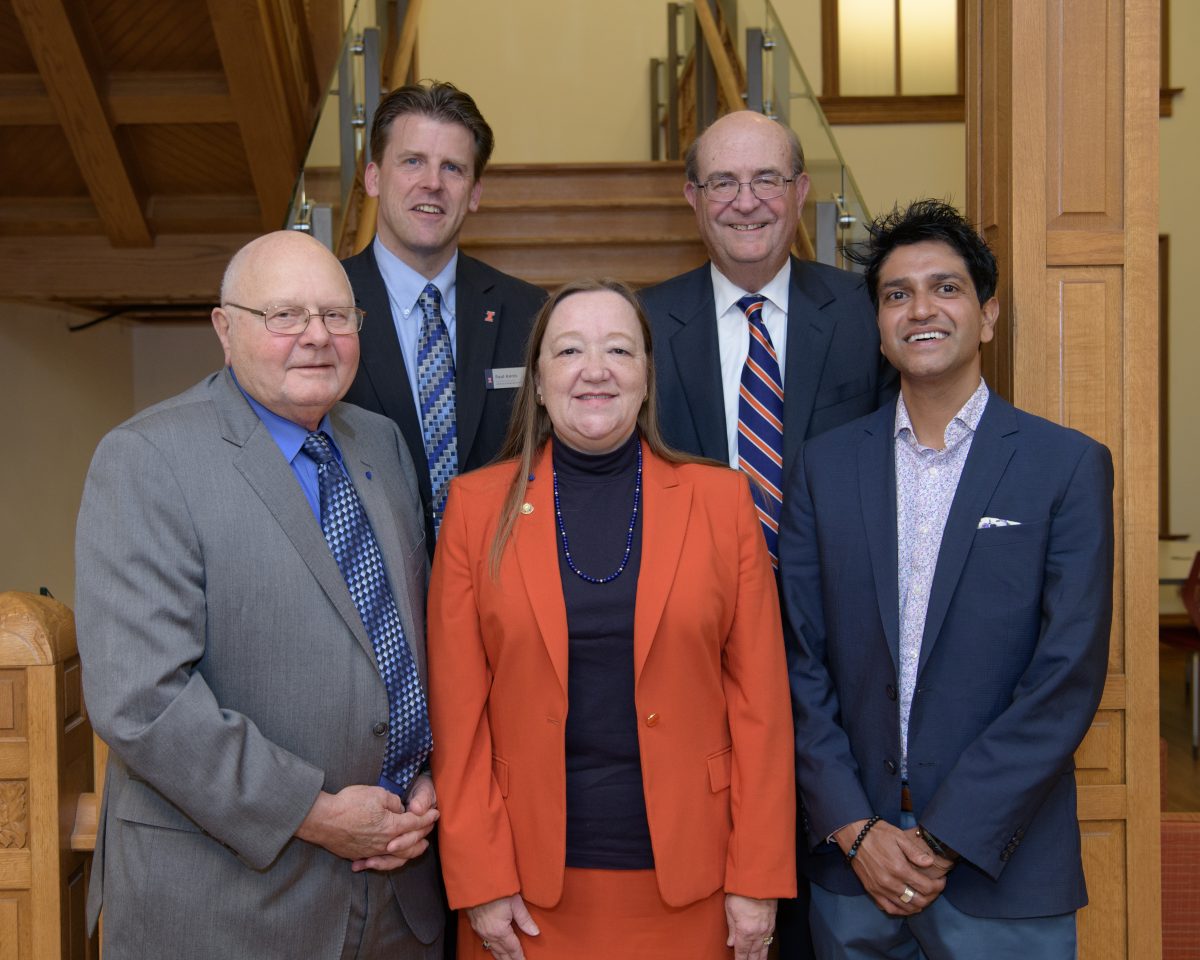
[(939, 849)]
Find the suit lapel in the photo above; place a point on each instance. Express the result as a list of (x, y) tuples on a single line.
[(475, 347), (664, 524), (272, 479), (536, 546), (877, 494), (809, 334), (694, 350), (382, 360), (992, 448)]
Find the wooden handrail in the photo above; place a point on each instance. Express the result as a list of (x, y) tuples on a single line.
[(726, 75)]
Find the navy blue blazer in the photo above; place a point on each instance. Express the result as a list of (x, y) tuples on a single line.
[(834, 370), (495, 314), (1013, 658)]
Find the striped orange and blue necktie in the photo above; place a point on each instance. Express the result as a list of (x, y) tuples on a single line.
[(760, 423)]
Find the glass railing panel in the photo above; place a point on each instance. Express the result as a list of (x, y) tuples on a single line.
[(835, 214), (324, 189)]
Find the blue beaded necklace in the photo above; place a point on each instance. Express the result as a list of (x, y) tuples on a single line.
[(562, 531)]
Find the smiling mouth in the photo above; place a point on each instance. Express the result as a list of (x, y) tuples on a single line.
[(595, 396), (428, 208), (745, 227), (926, 335)]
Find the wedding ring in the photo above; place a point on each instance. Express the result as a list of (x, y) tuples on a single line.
[(907, 895), (767, 941)]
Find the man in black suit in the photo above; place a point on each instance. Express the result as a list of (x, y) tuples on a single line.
[(444, 337), (813, 323)]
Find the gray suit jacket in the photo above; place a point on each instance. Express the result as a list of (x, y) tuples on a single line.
[(228, 670)]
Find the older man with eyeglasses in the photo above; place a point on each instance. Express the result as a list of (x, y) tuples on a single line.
[(250, 612), (756, 351)]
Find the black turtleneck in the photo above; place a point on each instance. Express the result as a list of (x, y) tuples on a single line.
[(606, 807)]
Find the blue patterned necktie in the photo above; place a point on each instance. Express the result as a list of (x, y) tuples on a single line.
[(435, 387), (348, 533), (760, 423)]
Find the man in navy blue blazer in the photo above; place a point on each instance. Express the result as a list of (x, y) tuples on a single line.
[(946, 567)]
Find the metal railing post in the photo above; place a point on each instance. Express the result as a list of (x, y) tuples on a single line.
[(754, 69)]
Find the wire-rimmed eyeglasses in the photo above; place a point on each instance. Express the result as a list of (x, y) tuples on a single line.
[(288, 318), (725, 189)]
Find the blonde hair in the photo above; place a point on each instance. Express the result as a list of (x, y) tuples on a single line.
[(529, 426)]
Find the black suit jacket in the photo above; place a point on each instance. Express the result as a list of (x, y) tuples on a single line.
[(494, 314), (834, 370)]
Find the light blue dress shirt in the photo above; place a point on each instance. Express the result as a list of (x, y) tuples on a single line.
[(404, 286)]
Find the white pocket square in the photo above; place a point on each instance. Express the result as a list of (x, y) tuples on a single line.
[(988, 522)]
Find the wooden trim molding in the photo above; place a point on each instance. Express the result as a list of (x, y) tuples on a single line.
[(947, 108)]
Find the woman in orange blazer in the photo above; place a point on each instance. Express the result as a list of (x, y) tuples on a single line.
[(608, 688)]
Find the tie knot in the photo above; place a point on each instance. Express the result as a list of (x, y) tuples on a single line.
[(752, 306), (431, 300), (317, 446)]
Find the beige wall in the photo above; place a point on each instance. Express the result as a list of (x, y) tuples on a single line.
[(567, 82), (62, 391), (560, 81), (1179, 213)]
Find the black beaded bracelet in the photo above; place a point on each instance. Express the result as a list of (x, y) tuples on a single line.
[(853, 851)]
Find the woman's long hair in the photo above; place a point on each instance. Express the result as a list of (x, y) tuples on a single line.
[(529, 427)]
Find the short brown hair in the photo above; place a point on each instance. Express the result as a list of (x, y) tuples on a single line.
[(439, 101)]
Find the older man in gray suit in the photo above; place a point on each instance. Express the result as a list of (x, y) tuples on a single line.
[(250, 608)]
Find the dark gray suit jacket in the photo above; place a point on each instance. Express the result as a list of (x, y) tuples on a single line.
[(227, 668), (494, 314), (834, 370)]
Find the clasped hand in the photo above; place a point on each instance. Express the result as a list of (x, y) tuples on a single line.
[(889, 860), (371, 826)]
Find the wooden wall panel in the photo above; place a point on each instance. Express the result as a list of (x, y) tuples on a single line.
[(1102, 923), (1062, 177)]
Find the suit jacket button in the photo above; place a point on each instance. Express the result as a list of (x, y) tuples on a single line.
[(652, 720), (891, 765), (379, 729), (891, 692)]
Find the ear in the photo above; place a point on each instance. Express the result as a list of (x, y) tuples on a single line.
[(371, 179), (476, 193), (802, 185), (220, 322), (991, 311), (691, 193)]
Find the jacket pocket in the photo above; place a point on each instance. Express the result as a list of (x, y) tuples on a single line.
[(500, 774), (720, 769)]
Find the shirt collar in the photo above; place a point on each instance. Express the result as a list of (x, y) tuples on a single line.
[(968, 416), (288, 435), (405, 285), (726, 293)]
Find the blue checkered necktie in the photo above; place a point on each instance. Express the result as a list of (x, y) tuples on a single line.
[(760, 423), (435, 387), (348, 533)]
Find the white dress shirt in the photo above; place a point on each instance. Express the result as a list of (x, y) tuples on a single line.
[(733, 337)]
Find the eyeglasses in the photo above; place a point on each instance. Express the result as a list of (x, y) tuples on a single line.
[(292, 319), (725, 189)]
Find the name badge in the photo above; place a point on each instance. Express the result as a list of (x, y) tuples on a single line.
[(504, 378)]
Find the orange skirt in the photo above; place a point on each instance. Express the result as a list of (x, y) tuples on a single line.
[(615, 913)]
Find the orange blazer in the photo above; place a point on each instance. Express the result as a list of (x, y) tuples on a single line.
[(711, 688)]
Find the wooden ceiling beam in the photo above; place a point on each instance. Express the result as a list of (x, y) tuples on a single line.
[(73, 91), (197, 214), (178, 268), (131, 98), (262, 102)]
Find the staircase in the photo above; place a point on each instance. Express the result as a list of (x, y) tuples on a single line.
[(551, 223)]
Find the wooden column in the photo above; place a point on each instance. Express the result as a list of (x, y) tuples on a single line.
[(1062, 170), (45, 763)]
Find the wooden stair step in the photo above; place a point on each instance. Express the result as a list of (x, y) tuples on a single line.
[(580, 181)]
